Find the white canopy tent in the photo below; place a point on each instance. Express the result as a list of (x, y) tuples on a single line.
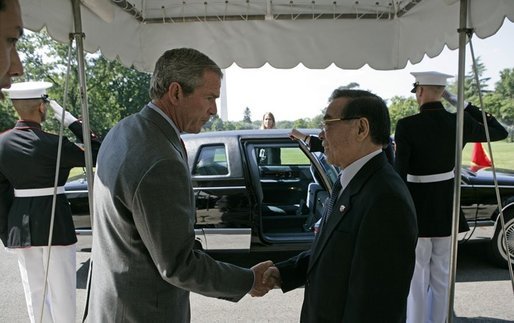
[(383, 34), (284, 33)]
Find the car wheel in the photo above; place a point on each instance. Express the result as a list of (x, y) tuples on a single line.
[(498, 250)]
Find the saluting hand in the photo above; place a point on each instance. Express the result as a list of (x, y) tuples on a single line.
[(58, 112), (452, 99)]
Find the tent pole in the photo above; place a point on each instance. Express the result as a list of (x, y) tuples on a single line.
[(79, 36), (458, 156)]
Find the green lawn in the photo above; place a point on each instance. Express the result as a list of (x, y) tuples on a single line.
[(76, 172), (503, 154)]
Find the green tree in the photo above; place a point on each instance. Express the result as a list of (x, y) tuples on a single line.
[(242, 125), (247, 115), (215, 124), (505, 86), (7, 115), (471, 88), (351, 85), (401, 107), (505, 91), (301, 123), (316, 121), (114, 91), (285, 124)]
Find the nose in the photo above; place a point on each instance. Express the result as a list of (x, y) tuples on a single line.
[(322, 134), (16, 68), (213, 110)]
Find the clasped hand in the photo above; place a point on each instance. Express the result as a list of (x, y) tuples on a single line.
[(267, 277)]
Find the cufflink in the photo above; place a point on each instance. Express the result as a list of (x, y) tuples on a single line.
[(341, 208)]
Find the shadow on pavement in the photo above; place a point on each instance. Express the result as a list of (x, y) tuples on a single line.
[(473, 263), (479, 320), (82, 275)]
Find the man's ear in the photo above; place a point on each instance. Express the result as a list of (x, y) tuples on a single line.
[(42, 107), (363, 128), (174, 92)]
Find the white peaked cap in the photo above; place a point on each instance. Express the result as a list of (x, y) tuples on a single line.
[(431, 78), (27, 90)]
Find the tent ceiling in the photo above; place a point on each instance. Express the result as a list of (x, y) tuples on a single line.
[(383, 34), (221, 10)]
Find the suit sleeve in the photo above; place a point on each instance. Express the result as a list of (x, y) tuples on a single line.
[(383, 262), (293, 272), (474, 130), (403, 151), (76, 129), (315, 144), (162, 211)]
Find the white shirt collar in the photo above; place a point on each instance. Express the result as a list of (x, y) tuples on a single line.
[(351, 170)]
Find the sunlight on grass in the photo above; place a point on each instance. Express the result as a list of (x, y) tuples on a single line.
[(503, 154)]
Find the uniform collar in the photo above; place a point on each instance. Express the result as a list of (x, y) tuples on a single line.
[(431, 106), (23, 124)]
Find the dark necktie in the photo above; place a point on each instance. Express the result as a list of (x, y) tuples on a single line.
[(333, 198)]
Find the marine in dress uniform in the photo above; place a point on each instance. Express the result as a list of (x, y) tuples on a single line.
[(28, 157), (425, 159)]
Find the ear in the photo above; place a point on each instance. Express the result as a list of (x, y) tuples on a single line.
[(42, 107), (363, 129), (175, 93)]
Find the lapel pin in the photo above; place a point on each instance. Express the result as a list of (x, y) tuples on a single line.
[(341, 208)]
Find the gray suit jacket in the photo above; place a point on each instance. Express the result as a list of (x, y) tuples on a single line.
[(144, 264)]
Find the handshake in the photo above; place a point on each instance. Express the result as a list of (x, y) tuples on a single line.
[(58, 114), (266, 277)]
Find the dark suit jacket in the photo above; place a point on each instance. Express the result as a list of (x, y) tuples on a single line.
[(144, 264), (360, 266), (28, 157), (425, 145)]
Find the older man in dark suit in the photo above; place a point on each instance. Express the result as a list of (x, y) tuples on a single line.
[(360, 265), (144, 261)]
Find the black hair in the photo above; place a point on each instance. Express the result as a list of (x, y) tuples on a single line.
[(375, 110), (344, 92)]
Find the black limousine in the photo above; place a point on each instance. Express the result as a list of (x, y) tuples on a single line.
[(261, 191)]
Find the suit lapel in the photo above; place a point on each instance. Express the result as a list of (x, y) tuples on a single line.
[(343, 206)]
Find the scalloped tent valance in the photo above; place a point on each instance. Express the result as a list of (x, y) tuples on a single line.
[(284, 33)]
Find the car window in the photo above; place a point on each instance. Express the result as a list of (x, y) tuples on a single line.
[(211, 160)]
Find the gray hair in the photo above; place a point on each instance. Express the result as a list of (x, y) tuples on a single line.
[(186, 66)]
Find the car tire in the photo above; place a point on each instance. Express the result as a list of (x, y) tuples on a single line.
[(497, 246)]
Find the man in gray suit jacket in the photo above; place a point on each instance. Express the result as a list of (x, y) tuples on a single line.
[(360, 264), (144, 263)]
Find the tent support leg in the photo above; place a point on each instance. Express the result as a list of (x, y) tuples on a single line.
[(79, 37), (458, 157)]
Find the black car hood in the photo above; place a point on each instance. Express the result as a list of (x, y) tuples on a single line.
[(484, 176)]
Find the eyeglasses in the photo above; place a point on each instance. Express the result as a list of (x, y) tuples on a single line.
[(327, 122)]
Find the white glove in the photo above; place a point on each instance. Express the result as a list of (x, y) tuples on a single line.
[(452, 99), (58, 111)]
